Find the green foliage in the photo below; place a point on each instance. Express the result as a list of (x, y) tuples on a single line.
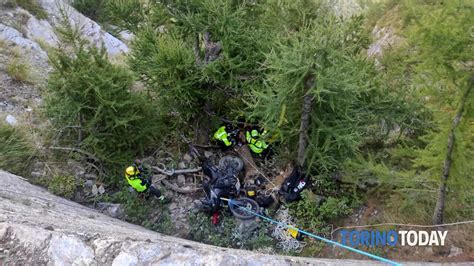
[(63, 185), (31, 6), (346, 92), (189, 88), (18, 70), (114, 122), (16, 151), (225, 234), (93, 9), (124, 14), (136, 209), (313, 215)]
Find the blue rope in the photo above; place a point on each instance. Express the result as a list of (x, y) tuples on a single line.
[(315, 236)]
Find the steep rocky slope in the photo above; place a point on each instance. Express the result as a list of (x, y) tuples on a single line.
[(38, 228)]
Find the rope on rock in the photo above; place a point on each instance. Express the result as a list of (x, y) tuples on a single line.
[(285, 241)]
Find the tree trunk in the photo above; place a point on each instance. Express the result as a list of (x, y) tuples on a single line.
[(305, 119), (249, 164), (439, 209)]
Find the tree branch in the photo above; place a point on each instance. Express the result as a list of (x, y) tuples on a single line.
[(176, 172), (88, 154)]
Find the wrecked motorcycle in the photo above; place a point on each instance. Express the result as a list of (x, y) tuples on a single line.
[(223, 185)]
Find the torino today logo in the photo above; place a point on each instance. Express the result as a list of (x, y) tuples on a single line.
[(378, 238)]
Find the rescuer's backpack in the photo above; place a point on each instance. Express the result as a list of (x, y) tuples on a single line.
[(293, 185)]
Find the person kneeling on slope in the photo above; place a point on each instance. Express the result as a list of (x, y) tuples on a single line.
[(138, 179)]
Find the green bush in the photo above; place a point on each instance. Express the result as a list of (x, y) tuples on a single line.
[(31, 6), (314, 218), (125, 14), (115, 123), (225, 233), (93, 9), (136, 210), (16, 151), (63, 185), (18, 70)]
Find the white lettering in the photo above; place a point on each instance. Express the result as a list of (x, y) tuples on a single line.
[(414, 238), (433, 239), (423, 238), (442, 235), (402, 236)]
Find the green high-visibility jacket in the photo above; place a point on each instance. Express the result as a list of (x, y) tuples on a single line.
[(255, 141), (137, 183), (222, 135)]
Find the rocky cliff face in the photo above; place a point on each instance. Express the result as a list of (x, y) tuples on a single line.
[(24, 42), (38, 228)]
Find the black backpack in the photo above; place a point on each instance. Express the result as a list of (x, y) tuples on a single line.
[(293, 185)]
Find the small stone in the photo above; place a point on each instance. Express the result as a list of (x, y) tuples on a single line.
[(162, 29), (11, 120), (111, 209), (101, 190), (207, 154), (181, 180), (89, 183), (181, 165), (187, 157), (454, 251), (90, 176), (95, 190), (36, 174)]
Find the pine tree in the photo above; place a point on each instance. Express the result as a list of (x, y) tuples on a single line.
[(89, 94), (442, 33)]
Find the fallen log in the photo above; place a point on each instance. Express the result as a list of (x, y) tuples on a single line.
[(176, 172)]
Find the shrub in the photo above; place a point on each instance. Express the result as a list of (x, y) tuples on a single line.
[(18, 71), (63, 185), (86, 90), (93, 9), (16, 152), (225, 234), (31, 6)]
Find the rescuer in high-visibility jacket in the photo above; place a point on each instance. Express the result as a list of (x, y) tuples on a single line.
[(227, 136), (137, 178), (255, 140)]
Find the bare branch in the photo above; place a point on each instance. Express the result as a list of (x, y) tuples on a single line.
[(176, 172), (88, 154)]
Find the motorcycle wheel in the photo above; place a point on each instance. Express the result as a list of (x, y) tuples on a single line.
[(236, 162), (237, 205)]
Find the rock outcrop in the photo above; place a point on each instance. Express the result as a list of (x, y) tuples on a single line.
[(37, 228)]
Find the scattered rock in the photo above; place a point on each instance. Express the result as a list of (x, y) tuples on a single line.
[(208, 154), (11, 120), (101, 190), (36, 174), (89, 183), (95, 190), (180, 180), (111, 209), (181, 165), (126, 36), (90, 176), (187, 158), (455, 251)]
